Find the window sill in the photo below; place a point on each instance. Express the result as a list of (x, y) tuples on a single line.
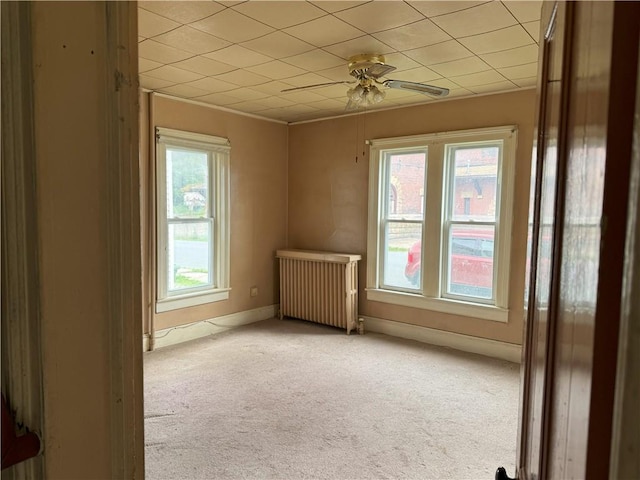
[(191, 300), (454, 307)]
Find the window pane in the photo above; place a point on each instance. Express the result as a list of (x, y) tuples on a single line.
[(187, 183), (475, 182), (471, 260), (188, 253), (405, 185), (402, 255)]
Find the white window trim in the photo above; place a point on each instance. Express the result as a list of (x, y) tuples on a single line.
[(219, 150), (431, 298)]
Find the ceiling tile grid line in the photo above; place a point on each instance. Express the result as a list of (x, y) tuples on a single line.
[(247, 53)]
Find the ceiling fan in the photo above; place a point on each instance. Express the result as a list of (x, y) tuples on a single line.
[(367, 69)]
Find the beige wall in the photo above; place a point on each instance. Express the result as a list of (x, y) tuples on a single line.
[(328, 192), (258, 202)]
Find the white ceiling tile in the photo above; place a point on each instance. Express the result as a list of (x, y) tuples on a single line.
[(232, 26), (192, 40), (481, 19), (513, 57), (243, 78), (533, 28), (329, 104), (420, 75), (418, 34), (277, 70), (503, 39), (213, 85), (145, 65), (524, 11), (302, 96), (400, 61), (494, 87), (204, 66), (377, 16), (521, 71), (482, 78), (463, 66), (275, 102), (250, 106), (278, 45), (173, 74), (338, 73), (526, 82), (440, 53), (315, 60), (306, 79), (301, 108), (153, 83), (158, 52), (184, 91), (333, 91), (279, 14), (272, 88), (221, 99), (238, 56), (150, 24), (363, 44), (246, 94), (183, 11), (332, 6), (432, 9), (324, 31)]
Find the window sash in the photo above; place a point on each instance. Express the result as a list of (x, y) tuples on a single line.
[(437, 223), (216, 219)]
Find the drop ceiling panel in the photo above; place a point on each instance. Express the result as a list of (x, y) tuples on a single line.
[(244, 53), (204, 66), (278, 14), (434, 9), (463, 66), (182, 11), (232, 26), (418, 34), (158, 52), (513, 57), (524, 11), (365, 43), (515, 36), (278, 45), (277, 70), (324, 31), (378, 16), (483, 18), (238, 56), (440, 53), (191, 40), (173, 74), (151, 24)]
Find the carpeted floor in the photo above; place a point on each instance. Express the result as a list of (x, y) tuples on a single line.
[(296, 400)]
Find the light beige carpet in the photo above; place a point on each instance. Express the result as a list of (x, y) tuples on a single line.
[(295, 400)]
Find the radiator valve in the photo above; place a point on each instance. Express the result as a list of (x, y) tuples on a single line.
[(361, 326)]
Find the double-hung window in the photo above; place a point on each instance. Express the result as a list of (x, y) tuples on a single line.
[(192, 172), (440, 221)]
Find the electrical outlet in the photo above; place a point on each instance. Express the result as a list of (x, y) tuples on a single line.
[(253, 291)]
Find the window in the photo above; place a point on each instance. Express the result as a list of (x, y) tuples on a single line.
[(192, 219), (440, 221)]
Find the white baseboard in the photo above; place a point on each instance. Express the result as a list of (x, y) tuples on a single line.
[(466, 343), (191, 331), (145, 342)]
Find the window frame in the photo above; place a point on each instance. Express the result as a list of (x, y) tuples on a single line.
[(218, 152), (430, 295)]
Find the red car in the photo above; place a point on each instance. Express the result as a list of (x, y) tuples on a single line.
[(471, 270)]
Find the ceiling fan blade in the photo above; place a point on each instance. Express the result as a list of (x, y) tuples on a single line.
[(317, 85), (417, 87), (378, 70)]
